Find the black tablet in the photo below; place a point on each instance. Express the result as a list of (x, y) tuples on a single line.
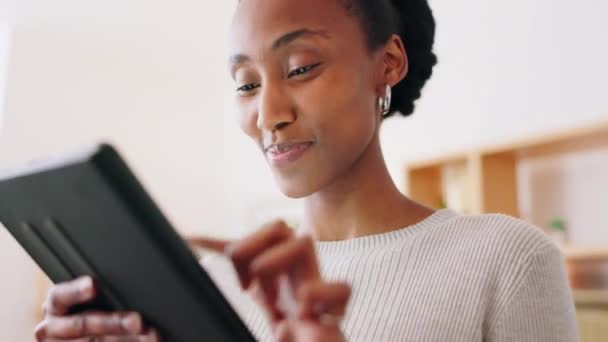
[(87, 214)]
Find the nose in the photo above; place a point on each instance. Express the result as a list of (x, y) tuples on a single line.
[(275, 110)]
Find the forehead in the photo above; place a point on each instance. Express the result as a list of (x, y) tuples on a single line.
[(257, 23)]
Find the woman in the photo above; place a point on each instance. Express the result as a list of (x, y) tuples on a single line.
[(314, 81)]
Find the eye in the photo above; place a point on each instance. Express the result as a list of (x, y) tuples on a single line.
[(247, 87), (302, 70)]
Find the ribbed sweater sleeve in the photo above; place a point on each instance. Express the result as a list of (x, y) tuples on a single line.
[(539, 308)]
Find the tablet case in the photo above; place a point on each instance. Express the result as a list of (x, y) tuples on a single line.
[(88, 215)]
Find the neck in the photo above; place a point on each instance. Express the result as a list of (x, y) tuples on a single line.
[(364, 201)]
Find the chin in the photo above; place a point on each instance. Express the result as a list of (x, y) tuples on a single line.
[(297, 186), (304, 180), (295, 190)]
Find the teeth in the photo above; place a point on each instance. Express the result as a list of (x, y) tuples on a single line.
[(281, 148)]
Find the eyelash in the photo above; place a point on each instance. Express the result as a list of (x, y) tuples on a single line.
[(248, 87), (296, 72), (302, 70)]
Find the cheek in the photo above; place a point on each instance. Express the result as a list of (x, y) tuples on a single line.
[(247, 118), (344, 115)]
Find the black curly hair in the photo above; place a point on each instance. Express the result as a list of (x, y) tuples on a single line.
[(413, 21)]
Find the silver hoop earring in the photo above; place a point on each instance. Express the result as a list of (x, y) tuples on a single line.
[(385, 103)]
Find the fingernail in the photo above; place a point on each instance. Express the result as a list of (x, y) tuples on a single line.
[(131, 323), (85, 284), (154, 335)]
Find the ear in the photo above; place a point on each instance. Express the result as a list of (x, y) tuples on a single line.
[(394, 63)]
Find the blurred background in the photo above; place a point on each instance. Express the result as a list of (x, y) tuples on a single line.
[(515, 119)]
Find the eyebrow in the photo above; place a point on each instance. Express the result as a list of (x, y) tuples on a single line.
[(282, 41)]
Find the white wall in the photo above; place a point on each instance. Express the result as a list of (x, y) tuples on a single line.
[(150, 76), (507, 69), (17, 298), (5, 43), (572, 187), (156, 88)]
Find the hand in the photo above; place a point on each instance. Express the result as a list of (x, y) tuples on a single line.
[(59, 325), (281, 272)]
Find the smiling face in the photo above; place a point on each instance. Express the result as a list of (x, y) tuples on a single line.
[(306, 89)]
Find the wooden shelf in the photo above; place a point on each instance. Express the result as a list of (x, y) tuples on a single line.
[(489, 173), (585, 252), (591, 297), (571, 140), (487, 181)]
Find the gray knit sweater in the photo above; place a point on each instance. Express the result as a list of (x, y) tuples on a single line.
[(450, 277)]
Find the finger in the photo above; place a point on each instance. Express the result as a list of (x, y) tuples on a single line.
[(65, 295), (268, 289), (270, 303), (216, 245), (135, 338), (90, 324), (295, 257), (318, 298), (243, 252), (279, 272), (151, 335), (282, 332)]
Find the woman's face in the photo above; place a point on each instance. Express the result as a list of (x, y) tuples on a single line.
[(306, 88)]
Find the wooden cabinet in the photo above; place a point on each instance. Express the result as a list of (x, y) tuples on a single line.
[(485, 179), (592, 314)]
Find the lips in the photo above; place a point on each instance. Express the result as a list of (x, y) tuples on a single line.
[(281, 155)]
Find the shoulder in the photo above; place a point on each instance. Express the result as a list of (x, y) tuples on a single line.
[(497, 238), (500, 228), (501, 252)]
